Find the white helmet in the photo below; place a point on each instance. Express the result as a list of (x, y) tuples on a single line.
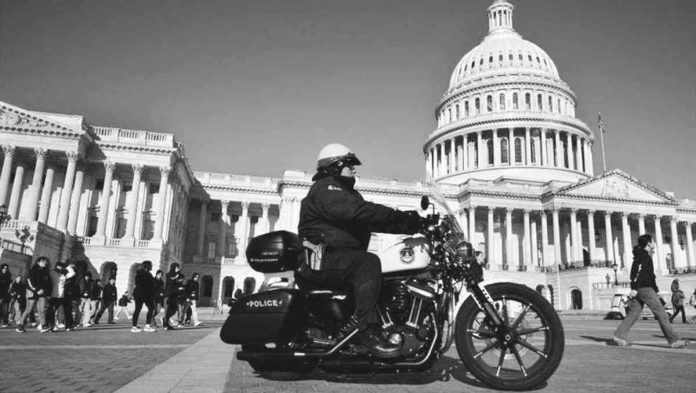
[(335, 153)]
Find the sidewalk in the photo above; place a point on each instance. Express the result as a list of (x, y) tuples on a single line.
[(203, 367)]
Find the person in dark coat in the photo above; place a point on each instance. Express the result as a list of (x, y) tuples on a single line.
[(38, 289), (191, 296), (677, 301), (109, 296), (159, 297), (5, 282), (173, 288), (85, 308), (644, 291), (59, 301), (144, 293), (18, 297), (95, 299), (335, 216), (123, 306)]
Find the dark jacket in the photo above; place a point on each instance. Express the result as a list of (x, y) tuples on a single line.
[(39, 279), (334, 212), (86, 288), (160, 294), (109, 295), (96, 293), (642, 272), (18, 290), (174, 288), (123, 301), (5, 282), (191, 289), (144, 285)]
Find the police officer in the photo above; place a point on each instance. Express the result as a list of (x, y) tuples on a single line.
[(337, 217)]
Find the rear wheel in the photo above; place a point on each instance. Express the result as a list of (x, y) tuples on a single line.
[(523, 351), (277, 365)]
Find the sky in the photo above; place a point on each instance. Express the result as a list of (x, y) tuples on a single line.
[(257, 87)]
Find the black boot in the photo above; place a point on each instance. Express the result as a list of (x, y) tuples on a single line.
[(377, 345), (349, 327)]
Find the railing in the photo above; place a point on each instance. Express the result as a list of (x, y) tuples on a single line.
[(113, 242), (683, 270), (84, 240), (138, 137), (14, 246), (604, 285), (143, 244), (228, 261)]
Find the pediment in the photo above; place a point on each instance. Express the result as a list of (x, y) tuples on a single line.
[(619, 186), (15, 118)]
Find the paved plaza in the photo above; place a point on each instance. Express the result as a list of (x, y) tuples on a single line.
[(109, 358)]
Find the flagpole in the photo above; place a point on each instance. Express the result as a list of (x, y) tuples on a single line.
[(601, 136)]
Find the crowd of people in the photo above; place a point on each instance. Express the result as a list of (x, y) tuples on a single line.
[(63, 298)]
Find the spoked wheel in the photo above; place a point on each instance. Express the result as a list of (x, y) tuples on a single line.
[(520, 353)]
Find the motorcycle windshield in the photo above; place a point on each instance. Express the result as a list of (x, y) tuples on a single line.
[(438, 199)]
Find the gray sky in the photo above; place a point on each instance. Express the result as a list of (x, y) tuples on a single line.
[(255, 87)]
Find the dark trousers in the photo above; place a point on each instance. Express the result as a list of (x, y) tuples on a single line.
[(172, 308), (677, 310), (106, 306), (358, 271), (150, 303), (54, 305)]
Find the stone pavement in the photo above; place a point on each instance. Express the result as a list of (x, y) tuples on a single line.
[(107, 359)]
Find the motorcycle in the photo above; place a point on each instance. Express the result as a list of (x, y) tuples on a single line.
[(507, 335)]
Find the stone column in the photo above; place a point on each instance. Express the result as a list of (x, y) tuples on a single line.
[(45, 205), (441, 159), (222, 232), (13, 208), (578, 231), (472, 224), (490, 250), (5, 175), (556, 238), (609, 238), (676, 256), (574, 233), (527, 148), (587, 148), (544, 236), (264, 220), (202, 221), (64, 209), (464, 220), (75, 200), (35, 190), (244, 226), (544, 152), (641, 224), (105, 198), (535, 243), (691, 262), (460, 157), (591, 233), (659, 255), (465, 152), (626, 234), (479, 148), (508, 236), (451, 157), (527, 239), (496, 148), (162, 200), (559, 148), (132, 203)]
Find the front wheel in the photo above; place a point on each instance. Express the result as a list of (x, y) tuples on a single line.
[(521, 352)]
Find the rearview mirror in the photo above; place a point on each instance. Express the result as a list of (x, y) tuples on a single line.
[(425, 202)]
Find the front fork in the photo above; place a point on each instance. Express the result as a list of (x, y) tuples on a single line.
[(485, 303)]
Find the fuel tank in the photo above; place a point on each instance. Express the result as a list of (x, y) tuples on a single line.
[(399, 252)]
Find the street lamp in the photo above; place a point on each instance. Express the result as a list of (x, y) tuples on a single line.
[(615, 267), (4, 217)]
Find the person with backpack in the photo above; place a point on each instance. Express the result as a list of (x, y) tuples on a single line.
[(109, 296), (144, 293)]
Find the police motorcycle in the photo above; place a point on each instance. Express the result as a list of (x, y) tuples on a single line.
[(507, 335)]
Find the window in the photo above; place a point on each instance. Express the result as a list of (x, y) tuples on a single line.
[(99, 185), (550, 104), (228, 286), (504, 151), (489, 103), (152, 188), (501, 101), (528, 101), (466, 108), (211, 248), (481, 61), (533, 152), (449, 114), (540, 102), (490, 59), (478, 105), (473, 63), (207, 286), (520, 57), (500, 57), (456, 110), (529, 57), (510, 57), (215, 216), (515, 103), (249, 285), (92, 224), (489, 150), (558, 106), (518, 150), (127, 187), (120, 227)]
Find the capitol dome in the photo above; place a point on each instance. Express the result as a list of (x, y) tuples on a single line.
[(507, 113)]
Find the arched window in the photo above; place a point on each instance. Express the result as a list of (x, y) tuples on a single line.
[(501, 101), (558, 106), (504, 151), (515, 101), (228, 287), (500, 57), (532, 152), (456, 110), (490, 59), (449, 114), (489, 150), (540, 102), (489, 103), (527, 101), (466, 108), (518, 150), (249, 285), (477, 105), (510, 57), (206, 286), (576, 299), (550, 104), (108, 270)]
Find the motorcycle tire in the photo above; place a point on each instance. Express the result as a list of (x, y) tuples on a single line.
[(498, 363), (290, 366)]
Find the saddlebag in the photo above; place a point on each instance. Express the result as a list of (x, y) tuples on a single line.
[(275, 252), (261, 318)]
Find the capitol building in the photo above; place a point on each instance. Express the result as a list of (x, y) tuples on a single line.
[(512, 159)]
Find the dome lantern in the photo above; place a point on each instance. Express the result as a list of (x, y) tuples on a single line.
[(500, 16)]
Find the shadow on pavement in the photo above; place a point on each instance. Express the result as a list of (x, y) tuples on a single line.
[(604, 340)]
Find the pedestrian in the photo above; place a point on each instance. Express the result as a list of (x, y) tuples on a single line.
[(38, 288), (123, 306), (59, 299), (181, 299), (644, 291), (95, 299), (191, 296), (109, 296), (172, 288), (144, 293), (18, 295), (85, 307), (5, 298), (159, 298), (677, 301)]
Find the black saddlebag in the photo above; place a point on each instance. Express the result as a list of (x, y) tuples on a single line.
[(262, 317), (275, 252)]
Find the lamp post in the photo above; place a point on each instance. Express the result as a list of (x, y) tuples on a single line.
[(615, 267)]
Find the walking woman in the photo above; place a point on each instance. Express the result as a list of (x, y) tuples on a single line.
[(144, 293), (173, 288), (677, 301), (38, 288)]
